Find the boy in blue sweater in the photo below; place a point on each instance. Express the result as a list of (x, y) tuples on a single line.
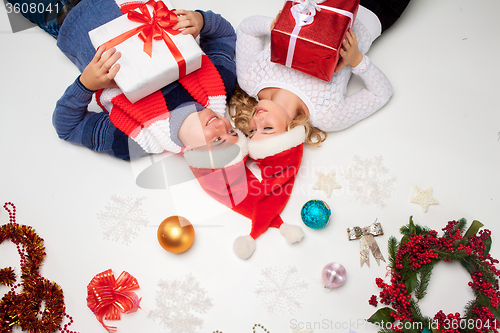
[(190, 123)]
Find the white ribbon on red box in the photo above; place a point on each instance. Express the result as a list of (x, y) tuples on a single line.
[(303, 13)]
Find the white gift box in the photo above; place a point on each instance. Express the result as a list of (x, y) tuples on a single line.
[(139, 74)]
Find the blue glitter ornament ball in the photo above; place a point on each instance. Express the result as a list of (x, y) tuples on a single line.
[(315, 214)]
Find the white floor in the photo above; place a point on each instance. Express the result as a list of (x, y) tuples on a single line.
[(441, 129)]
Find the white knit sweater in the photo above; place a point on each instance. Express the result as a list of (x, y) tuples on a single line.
[(329, 107)]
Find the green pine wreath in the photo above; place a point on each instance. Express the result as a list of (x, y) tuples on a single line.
[(411, 261)]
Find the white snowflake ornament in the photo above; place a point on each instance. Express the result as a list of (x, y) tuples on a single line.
[(122, 218), (281, 289), (369, 181), (180, 302)]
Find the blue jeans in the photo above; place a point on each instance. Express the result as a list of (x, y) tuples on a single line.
[(47, 14)]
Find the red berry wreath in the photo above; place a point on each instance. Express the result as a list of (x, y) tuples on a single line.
[(411, 261)]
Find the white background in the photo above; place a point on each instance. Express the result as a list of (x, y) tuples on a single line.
[(440, 129)]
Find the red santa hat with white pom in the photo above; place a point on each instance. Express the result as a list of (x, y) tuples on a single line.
[(279, 159), (223, 174)]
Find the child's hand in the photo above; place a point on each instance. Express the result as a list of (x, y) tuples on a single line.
[(190, 21), (349, 52), (275, 20), (101, 71)]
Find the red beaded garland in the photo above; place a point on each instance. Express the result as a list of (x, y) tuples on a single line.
[(416, 254), (23, 309)]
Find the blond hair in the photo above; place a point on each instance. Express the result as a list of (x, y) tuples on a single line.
[(242, 108)]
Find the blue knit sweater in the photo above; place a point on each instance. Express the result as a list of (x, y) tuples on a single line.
[(94, 130)]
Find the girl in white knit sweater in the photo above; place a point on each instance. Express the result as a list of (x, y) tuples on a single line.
[(275, 98)]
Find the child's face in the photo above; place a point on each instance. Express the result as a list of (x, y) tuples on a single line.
[(206, 126), (269, 119)]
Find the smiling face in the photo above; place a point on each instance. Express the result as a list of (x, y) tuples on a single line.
[(203, 127), (269, 119)]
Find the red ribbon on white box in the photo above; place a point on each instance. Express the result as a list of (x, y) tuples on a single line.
[(153, 28), (303, 13)]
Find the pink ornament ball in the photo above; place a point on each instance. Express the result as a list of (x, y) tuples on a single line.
[(334, 275)]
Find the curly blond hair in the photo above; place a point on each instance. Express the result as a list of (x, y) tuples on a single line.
[(242, 108)]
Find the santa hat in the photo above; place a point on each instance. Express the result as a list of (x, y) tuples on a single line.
[(279, 159), (222, 172)]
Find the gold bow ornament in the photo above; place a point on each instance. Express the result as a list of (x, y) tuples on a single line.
[(367, 236)]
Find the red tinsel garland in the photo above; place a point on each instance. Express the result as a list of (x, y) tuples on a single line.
[(24, 309)]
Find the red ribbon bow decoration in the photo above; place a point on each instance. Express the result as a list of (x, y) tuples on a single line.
[(155, 27), (108, 298)]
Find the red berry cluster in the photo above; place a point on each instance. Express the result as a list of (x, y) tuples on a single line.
[(373, 300), (484, 234), (477, 247), (487, 288), (465, 248), (448, 323), (394, 294), (418, 251), (450, 236), (451, 228), (485, 321)]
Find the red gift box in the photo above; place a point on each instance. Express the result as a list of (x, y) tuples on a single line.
[(310, 42)]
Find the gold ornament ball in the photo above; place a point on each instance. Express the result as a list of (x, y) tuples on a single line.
[(176, 234)]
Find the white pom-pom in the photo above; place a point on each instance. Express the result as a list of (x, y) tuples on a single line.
[(292, 233), (244, 246)]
